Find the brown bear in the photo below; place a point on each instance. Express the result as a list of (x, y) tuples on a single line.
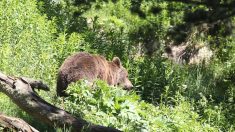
[(90, 67)]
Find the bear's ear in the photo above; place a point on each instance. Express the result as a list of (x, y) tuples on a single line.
[(117, 61)]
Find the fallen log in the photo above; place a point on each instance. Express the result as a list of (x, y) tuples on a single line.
[(16, 124), (21, 91)]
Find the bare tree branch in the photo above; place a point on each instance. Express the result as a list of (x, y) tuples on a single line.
[(16, 124)]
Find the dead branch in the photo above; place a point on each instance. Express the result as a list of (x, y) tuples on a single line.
[(21, 92), (15, 124)]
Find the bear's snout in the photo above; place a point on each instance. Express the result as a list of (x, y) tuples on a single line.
[(128, 85)]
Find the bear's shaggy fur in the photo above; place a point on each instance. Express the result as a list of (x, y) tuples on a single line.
[(90, 67)]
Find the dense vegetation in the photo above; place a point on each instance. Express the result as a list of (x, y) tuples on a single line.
[(37, 35)]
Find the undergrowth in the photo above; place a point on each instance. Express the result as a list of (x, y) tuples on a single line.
[(114, 107)]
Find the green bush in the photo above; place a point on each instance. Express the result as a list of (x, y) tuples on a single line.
[(114, 107), (26, 40), (30, 44)]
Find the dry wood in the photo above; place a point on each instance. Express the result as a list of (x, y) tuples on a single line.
[(20, 90), (15, 124)]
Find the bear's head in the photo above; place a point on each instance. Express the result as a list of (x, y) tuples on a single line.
[(122, 75)]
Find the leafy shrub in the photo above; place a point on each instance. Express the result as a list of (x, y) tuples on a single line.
[(26, 39), (114, 107), (30, 41)]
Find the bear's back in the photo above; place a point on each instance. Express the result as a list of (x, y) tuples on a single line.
[(72, 61), (83, 66)]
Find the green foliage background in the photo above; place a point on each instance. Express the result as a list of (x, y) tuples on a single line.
[(37, 35)]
